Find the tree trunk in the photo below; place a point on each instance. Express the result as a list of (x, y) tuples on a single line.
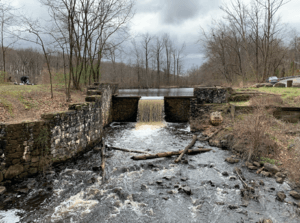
[(186, 148)]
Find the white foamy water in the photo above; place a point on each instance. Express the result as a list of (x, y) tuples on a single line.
[(9, 216)]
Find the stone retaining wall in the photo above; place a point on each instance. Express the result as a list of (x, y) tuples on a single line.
[(125, 109), (29, 148), (177, 109)]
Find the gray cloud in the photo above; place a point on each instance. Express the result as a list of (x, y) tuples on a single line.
[(177, 11)]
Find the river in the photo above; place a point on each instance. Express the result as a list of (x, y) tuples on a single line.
[(196, 190)]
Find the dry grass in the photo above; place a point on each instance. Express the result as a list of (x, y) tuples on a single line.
[(266, 100), (151, 111), (27, 103)]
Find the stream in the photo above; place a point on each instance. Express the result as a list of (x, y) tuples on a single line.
[(202, 188)]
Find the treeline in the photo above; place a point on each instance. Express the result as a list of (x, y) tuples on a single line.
[(249, 44)]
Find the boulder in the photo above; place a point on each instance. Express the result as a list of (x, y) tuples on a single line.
[(266, 174), (280, 175), (280, 196), (256, 164), (271, 168), (216, 118), (279, 84), (187, 190), (279, 180), (14, 171), (267, 221), (2, 190), (252, 167), (232, 160), (225, 174), (295, 195)]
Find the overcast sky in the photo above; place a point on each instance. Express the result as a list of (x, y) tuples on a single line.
[(181, 19)]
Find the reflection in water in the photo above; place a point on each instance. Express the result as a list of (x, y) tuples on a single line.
[(157, 92)]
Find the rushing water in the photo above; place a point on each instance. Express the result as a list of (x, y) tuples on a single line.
[(157, 92), (149, 190)]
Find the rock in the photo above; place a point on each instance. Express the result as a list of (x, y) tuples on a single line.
[(187, 190), (23, 190), (166, 198), (266, 174), (225, 174), (280, 175), (232, 160), (2, 190), (159, 182), (96, 168), (232, 207), (279, 180), (144, 187), (245, 203), (167, 177), (1, 176), (172, 192), (271, 168), (295, 195), (252, 167), (261, 183), (232, 178), (216, 118), (256, 164), (280, 196), (156, 169), (267, 221), (14, 171), (279, 84), (33, 170), (183, 179)]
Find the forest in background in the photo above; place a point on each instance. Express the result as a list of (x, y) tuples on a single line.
[(88, 41)]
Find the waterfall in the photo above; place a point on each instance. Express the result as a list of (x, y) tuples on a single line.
[(151, 111)]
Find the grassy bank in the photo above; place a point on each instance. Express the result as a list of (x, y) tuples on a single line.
[(26, 102)]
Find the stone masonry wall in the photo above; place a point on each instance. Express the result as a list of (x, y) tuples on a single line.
[(125, 109), (27, 148), (177, 109)]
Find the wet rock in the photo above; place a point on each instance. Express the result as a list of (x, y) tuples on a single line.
[(185, 162), (183, 179), (166, 198), (1, 176), (144, 187), (232, 207), (280, 175), (220, 203), (23, 190), (2, 190), (187, 190), (266, 174), (232, 178), (245, 203), (14, 171), (159, 182), (96, 168), (167, 177), (252, 167), (279, 180), (172, 192), (237, 186), (225, 174), (271, 168), (232, 160), (156, 169), (295, 195), (280, 196), (261, 183), (267, 221)]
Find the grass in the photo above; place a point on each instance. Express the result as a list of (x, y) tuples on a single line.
[(290, 96), (269, 160), (28, 102)]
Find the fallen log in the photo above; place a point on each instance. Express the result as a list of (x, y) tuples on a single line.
[(168, 154), (127, 150), (186, 148)]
